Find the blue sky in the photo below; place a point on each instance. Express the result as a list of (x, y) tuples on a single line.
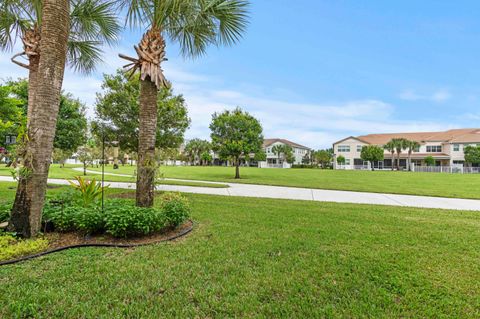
[(315, 71)]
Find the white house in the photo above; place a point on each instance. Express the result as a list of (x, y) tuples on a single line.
[(273, 160)]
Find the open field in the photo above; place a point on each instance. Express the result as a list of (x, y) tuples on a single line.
[(266, 258), (428, 184), (56, 171)]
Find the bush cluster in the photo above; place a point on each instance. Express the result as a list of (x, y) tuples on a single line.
[(11, 247), (5, 209), (120, 218)]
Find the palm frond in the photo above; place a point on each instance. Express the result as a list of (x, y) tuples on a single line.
[(83, 56), (95, 20), (13, 22)]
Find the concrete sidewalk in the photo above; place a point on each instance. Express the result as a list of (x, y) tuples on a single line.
[(249, 190)]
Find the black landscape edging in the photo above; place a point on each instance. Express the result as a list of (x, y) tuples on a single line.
[(179, 235)]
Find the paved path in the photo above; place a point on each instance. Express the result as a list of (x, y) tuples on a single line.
[(248, 190)]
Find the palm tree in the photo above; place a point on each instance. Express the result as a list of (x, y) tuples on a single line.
[(50, 31), (411, 147), (278, 150), (92, 23), (390, 146), (400, 144), (194, 25)]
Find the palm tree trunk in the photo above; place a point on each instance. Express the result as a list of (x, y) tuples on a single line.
[(393, 160), (146, 144), (32, 85), (27, 209), (398, 161)]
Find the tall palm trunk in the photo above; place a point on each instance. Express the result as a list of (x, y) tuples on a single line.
[(398, 160), (393, 160), (409, 160), (27, 209), (151, 53), (146, 144)]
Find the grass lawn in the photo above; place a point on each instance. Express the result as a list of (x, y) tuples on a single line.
[(266, 258), (429, 184), (56, 171)]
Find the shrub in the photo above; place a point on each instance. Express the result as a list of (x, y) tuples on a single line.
[(10, 247), (175, 207), (5, 209), (90, 191), (63, 218), (89, 220), (126, 220)]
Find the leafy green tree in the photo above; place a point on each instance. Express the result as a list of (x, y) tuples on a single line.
[(236, 134), (306, 159), (429, 160), (195, 148), (324, 158), (472, 154), (193, 25), (11, 114), (118, 107), (71, 127), (341, 160), (60, 156), (372, 153), (206, 158), (260, 156)]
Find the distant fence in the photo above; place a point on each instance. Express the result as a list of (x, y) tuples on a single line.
[(447, 169)]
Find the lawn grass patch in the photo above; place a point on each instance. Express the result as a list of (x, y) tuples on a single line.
[(252, 257)]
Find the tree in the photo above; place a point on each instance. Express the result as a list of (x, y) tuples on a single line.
[(49, 31), (372, 153), (206, 158), (429, 160), (411, 147), (26, 214), (284, 152), (390, 147), (341, 160), (236, 134), (117, 107), (11, 114), (195, 148), (60, 156), (91, 24), (324, 158), (400, 144), (306, 159), (85, 155), (260, 156), (472, 154), (194, 25)]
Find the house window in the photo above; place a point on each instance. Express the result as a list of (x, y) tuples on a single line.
[(347, 161), (10, 139), (417, 149), (434, 148), (359, 148), (343, 148), (456, 147)]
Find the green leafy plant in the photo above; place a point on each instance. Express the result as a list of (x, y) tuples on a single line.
[(5, 209), (89, 190), (11, 247), (175, 207)]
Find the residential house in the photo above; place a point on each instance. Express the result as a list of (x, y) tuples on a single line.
[(273, 160), (445, 147)]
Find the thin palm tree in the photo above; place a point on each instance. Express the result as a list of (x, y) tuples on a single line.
[(411, 147), (193, 25), (390, 147), (400, 145), (53, 33)]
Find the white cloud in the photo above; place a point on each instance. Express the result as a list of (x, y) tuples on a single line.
[(437, 96), (314, 125)]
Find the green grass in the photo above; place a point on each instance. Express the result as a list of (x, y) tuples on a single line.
[(429, 184), (56, 171), (267, 258)]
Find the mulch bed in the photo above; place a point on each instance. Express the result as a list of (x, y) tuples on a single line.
[(57, 240), (63, 241)]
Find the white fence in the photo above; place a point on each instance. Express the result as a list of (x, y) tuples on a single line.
[(447, 169)]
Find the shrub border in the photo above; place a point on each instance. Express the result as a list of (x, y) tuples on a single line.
[(47, 252)]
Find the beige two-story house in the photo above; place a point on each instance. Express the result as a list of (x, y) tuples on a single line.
[(445, 147)]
